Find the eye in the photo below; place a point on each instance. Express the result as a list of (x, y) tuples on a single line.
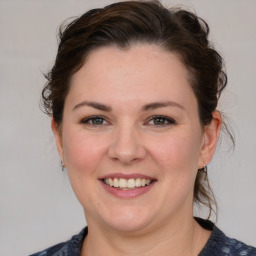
[(95, 121), (161, 121)]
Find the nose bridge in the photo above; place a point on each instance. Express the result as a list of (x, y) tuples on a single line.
[(126, 145)]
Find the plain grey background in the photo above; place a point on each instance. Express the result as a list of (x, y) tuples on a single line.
[(38, 207)]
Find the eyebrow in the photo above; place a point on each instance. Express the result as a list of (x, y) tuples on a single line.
[(156, 105), (96, 105), (150, 106)]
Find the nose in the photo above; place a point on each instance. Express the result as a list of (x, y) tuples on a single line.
[(126, 146)]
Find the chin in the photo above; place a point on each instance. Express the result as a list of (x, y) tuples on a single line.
[(129, 220), (133, 226)]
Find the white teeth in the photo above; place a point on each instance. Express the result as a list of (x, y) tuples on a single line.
[(127, 184), (138, 183), (116, 183), (122, 183), (131, 183)]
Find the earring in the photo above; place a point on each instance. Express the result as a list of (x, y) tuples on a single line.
[(205, 169), (62, 165)]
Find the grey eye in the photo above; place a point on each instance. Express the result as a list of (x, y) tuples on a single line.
[(97, 120), (94, 120), (161, 121)]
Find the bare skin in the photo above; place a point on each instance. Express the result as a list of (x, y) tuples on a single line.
[(156, 243), (134, 113)]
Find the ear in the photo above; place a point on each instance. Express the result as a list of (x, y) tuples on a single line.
[(210, 139), (58, 138)]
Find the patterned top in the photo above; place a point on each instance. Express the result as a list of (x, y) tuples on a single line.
[(218, 244)]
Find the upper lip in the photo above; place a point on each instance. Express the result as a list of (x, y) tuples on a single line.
[(126, 176)]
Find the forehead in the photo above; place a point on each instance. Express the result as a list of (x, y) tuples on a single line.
[(147, 71)]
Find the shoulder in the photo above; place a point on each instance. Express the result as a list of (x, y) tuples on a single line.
[(221, 245), (56, 249), (70, 248)]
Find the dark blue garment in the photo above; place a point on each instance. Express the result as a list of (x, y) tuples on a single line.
[(218, 244)]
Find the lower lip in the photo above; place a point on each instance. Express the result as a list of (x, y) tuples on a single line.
[(132, 193)]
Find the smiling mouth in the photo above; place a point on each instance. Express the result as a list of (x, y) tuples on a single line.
[(127, 184)]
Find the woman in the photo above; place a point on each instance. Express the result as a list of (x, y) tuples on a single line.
[(133, 96)]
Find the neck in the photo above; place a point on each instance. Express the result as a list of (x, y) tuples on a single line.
[(183, 236)]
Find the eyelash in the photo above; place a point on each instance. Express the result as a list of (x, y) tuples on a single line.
[(89, 119), (167, 120)]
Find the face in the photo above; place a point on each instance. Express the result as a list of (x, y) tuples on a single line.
[(131, 138)]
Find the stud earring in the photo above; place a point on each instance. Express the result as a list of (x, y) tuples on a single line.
[(62, 165), (205, 169)]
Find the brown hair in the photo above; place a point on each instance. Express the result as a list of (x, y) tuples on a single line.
[(126, 23)]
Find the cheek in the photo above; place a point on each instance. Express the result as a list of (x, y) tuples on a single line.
[(82, 152), (83, 156), (178, 151), (177, 159)]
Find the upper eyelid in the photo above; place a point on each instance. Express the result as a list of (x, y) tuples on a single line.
[(170, 121), (148, 119), (94, 116), (161, 116)]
